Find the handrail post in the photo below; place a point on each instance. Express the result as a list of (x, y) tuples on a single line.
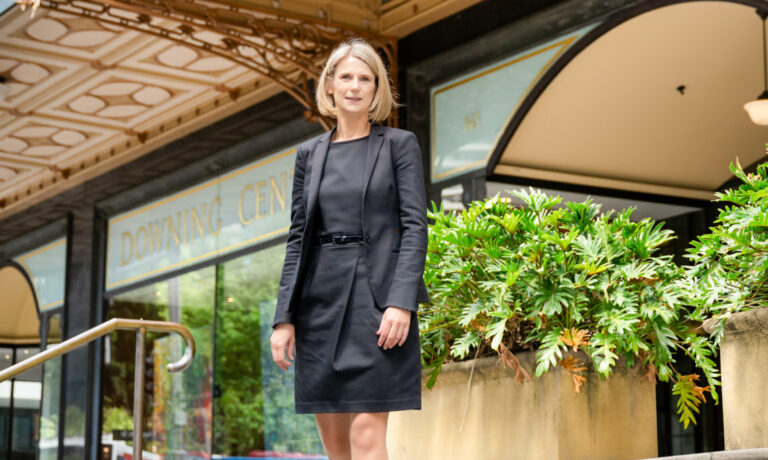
[(140, 326), (138, 395)]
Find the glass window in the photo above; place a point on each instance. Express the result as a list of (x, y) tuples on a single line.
[(6, 360), (254, 399), (27, 390), (233, 401), (177, 407), (49, 410)]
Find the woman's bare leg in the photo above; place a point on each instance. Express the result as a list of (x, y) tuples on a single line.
[(368, 436), (334, 431)]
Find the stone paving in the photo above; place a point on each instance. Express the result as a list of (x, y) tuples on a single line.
[(751, 454)]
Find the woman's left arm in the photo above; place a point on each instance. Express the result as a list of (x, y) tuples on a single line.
[(412, 200), (402, 299)]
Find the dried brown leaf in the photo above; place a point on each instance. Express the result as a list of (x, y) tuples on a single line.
[(575, 368), (510, 361), (575, 338), (699, 391), (651, 374)]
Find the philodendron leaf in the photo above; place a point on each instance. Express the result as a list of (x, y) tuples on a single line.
[(509, 222), (689, 397), (435, 368), (469, 341), (550, 352), (496, 330), (553, 302), (501, 315), (738, 171), (603, 356)]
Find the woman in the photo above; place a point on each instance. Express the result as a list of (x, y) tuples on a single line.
[(353, 273)]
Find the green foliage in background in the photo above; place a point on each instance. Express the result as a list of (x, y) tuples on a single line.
[(730, 264), (116, 418), (553, 279), (239, 410)]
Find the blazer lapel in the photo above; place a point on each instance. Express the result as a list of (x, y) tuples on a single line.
[(375, 140), (317, 162)]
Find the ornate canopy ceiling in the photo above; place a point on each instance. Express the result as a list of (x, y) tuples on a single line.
[(94, 85), (654, 105)]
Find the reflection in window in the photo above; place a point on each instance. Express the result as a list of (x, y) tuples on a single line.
[(20, 406), (233, 401), (254, 399), (49, 410), (177, 407), (6, 360), (27, 389)]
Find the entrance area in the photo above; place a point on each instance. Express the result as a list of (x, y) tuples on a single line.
[(28, 415), (232, 402)]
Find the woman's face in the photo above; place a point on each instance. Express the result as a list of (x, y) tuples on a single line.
[(352, 87)]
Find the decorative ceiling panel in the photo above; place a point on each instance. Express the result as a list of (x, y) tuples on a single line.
[(184, 62), (95, 84), (11, 172), (45, 145), (28, 74), (84, 92), (62, 34), (119, 98)]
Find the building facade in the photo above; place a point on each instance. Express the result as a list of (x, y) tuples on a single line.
[(145, 172)]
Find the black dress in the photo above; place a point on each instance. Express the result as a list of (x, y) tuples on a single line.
[(339, 365)]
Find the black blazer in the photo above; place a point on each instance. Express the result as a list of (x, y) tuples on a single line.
[(394, 220)]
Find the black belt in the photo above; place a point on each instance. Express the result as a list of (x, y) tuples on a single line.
[(340, 239)]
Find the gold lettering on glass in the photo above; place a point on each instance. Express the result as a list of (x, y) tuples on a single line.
[(240, 214), (211, 231), (156, 236), (260, 199), (140, 253), (198, 224), (471, 121), (275, 192), (173, 230), (126, 236)]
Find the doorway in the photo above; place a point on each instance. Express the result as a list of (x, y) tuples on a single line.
[(20, 397)]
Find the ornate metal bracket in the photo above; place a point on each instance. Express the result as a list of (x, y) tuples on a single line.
[(288, 51)]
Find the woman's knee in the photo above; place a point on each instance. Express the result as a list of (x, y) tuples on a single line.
[(368, 431), (334, 432)]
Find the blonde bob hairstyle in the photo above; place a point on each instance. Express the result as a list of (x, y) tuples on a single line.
[(383, 99)]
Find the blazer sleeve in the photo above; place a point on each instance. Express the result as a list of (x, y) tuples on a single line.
[(293, 246), (412, 203)]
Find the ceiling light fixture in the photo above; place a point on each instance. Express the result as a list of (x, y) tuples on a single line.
[(4, 88), (758, 109)]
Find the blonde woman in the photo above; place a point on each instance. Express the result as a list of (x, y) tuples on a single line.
[(353, 273)]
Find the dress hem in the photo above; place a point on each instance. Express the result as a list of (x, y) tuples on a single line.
[(358, 406)]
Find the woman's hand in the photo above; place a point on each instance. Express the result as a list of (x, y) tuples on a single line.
[(282, 341), (394, 327)]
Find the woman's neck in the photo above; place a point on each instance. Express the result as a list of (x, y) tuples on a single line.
[(348, 129)]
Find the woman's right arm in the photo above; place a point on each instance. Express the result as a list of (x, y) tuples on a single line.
[(293, 246)]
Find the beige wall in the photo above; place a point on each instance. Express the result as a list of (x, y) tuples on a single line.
[(540, 419), (745, 373)]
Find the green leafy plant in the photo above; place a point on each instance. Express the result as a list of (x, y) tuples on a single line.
[(730, 264), (558, 280)]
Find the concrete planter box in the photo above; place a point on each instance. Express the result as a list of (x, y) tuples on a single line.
[(539, 419), (744, 374)]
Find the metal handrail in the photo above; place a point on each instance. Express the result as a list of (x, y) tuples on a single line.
[(141, 326)]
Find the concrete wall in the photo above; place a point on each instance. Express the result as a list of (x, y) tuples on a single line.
[(745, 373), (540, 419)]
